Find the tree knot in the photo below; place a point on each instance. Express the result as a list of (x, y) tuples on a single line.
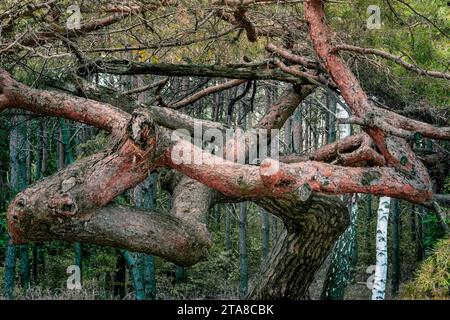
[(141, 128)]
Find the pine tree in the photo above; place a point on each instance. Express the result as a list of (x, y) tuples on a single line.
[(18, 181)]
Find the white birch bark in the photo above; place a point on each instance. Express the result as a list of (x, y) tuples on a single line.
[(379, 284), (344, 129)]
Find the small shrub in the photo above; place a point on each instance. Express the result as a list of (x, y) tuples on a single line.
[(433, 278)]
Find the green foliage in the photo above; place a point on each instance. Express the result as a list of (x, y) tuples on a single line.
[(92, 146), (433, 229), (447, 184), (433, 278), (218, 276)]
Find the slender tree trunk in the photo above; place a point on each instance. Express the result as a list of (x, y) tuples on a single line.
[(395, 205), (18, 182), (24, 249), (413, 222), (149, 260), (149, 277), (243, 258), (38, 154), (275, 234), (24, 266), (288, 135), (217, 215), (265, 233), (368, 221), (34, 267), (132, 262), (296, 132), (66, 157), (39, 247), (45, 145), (10, 267), (145, 197), (228, 231), (37, 176), (345, 250), (343, 259), (180, 274), (78, 255), (119, 277), (419, 237), (344, 129), (60, 146), (379, 284), (331, 125)]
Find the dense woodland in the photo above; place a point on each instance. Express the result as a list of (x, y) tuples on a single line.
[(357, 207)]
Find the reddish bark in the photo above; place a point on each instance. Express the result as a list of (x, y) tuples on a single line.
[(100, 115), (87, 184), (396, 151), (307, 63), (352, 151), (380, 122), (251, 182), (234, 179), (277, 114)]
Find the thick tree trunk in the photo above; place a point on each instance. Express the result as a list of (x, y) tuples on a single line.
[(311, 230)]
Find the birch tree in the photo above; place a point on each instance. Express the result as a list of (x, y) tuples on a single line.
[(379, 284), (342, 259)]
